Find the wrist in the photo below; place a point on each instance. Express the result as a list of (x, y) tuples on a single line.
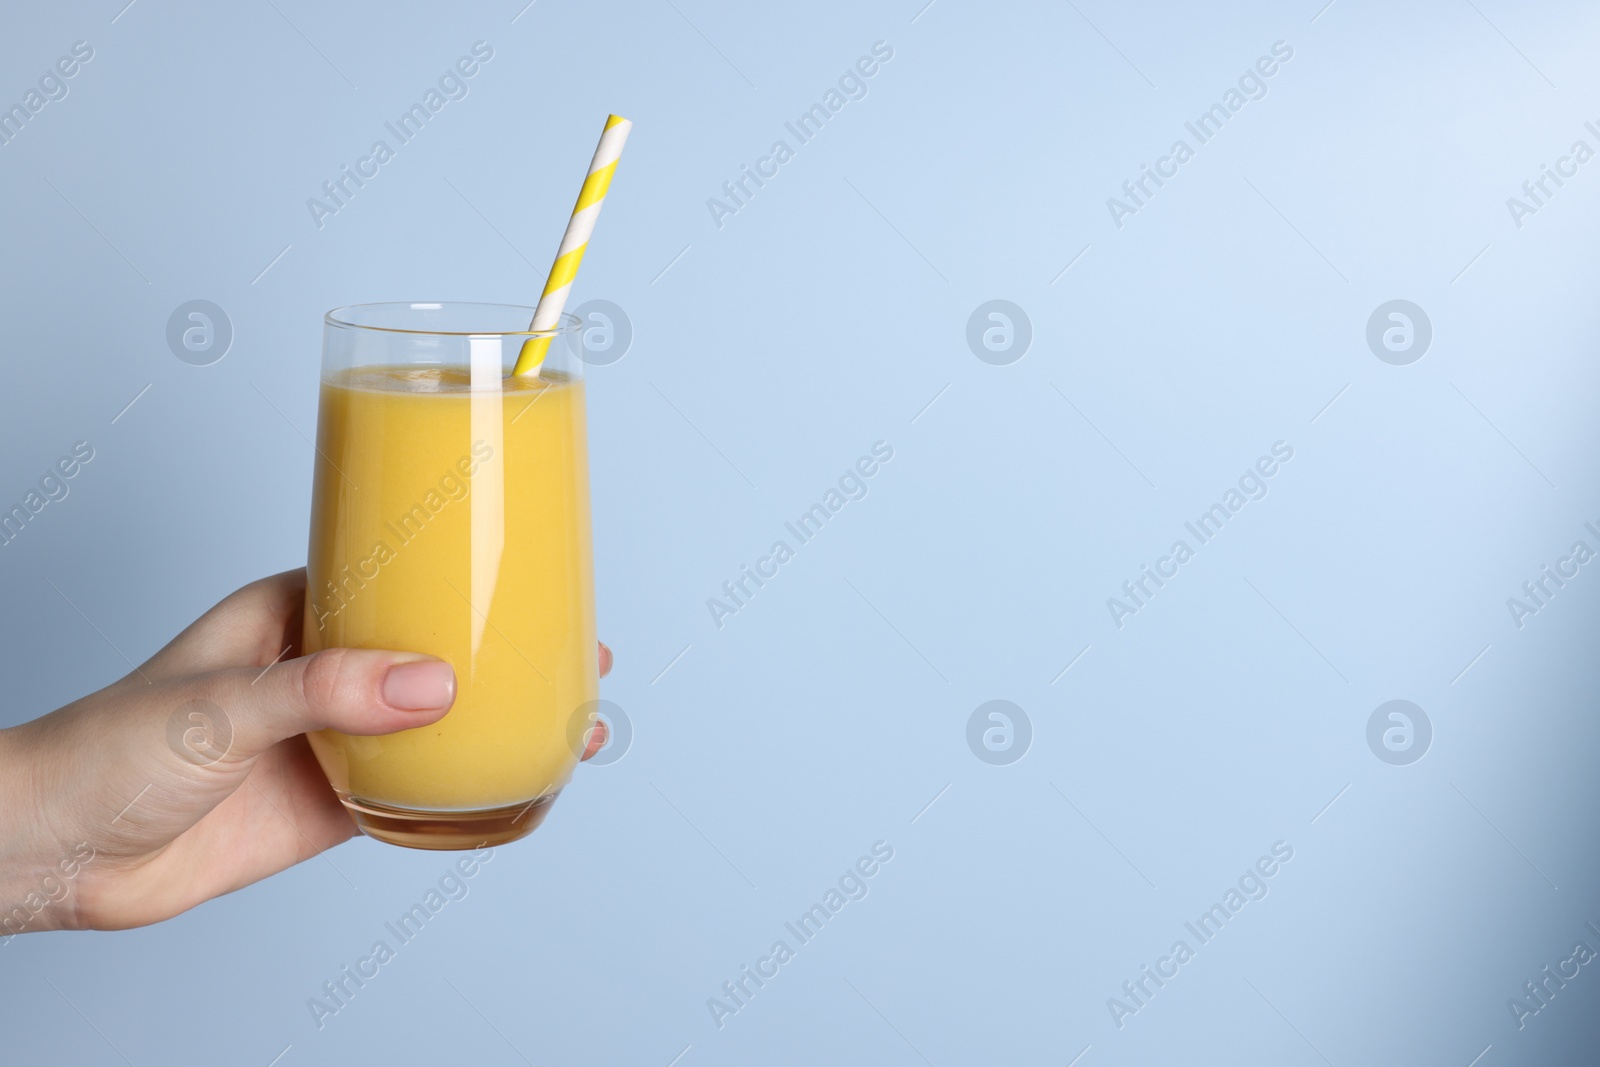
[(29, 887)]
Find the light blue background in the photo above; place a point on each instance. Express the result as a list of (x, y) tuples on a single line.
[(824, 316)]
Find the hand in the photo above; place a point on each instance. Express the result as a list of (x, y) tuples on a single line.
[(103, 824)]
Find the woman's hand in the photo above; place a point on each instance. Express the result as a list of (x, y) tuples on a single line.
[(104, 824)]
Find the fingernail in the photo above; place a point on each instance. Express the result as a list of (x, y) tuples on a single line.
[(420, 686)]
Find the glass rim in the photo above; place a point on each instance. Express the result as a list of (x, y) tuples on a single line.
[(566, 324)]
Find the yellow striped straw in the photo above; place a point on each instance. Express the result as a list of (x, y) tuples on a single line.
[(573, 243)]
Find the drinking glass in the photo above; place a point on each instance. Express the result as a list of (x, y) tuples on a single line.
[(450, 516)]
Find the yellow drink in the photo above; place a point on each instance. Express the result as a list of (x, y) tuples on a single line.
[(450, 516)]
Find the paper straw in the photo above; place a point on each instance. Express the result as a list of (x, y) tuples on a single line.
[(573, 243)]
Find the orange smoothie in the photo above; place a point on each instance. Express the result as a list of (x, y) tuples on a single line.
[(454, 520)]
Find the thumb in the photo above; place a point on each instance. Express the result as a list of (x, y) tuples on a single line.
[(355, 691)]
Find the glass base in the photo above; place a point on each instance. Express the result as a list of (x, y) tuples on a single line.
[(447, 831)]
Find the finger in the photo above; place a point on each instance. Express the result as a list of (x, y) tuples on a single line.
[(597, 737), (250, 627), (354, 691), (605, 660)]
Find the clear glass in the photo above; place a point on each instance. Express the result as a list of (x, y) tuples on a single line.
[(450, 516)]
